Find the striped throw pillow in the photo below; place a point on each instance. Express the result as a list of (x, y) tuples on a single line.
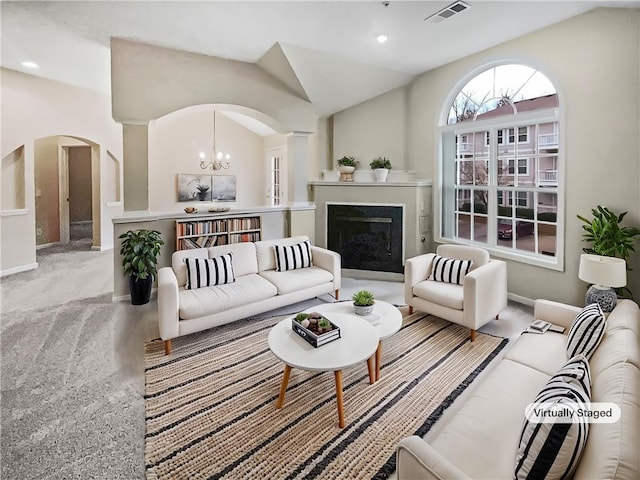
[(291, 257), (586, 331), (448, 270), (551, 449), (207, 272)]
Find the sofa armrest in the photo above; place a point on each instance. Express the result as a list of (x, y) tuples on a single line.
[(416, 270), (485, 293), (415, 459), (329, 261), (556, 313), (168, 304)]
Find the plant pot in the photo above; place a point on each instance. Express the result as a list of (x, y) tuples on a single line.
[(381, 174), (346, 173), (140, 290), (362, 309)]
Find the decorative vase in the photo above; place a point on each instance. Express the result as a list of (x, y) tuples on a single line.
[(346, 173), (381, 174), (362, 309), (140, 290)]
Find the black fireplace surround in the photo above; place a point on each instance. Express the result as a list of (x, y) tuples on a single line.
[(368, 237)]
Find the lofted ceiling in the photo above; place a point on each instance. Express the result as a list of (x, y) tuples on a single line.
[(324, 51)]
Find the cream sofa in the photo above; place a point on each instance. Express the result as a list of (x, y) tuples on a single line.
[(480, 440), (258, 286)]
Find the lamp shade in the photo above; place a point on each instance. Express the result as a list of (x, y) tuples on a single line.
[(605, 271)]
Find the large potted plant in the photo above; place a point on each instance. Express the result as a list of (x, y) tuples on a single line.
[(140, 250), (380, 167), (609, 238)]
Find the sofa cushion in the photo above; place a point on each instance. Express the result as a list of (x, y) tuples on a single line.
[(446, 294), (244, 256), (544, 352), (292, 257), (209, 300), (586, 331), (618, 345), (550, 447), (265, 254), (206, 272), (449, 270), (296, 280)]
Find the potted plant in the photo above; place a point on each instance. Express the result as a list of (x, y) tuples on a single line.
[(140, 250), (346, 166), (608, 238), (380, 167), (363, 302)]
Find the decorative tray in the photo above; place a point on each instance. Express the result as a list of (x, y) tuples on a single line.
[(310, 332)]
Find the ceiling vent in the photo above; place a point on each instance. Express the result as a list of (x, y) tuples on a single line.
[(448, 12)]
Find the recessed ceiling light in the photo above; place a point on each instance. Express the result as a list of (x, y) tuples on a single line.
[(381, 38), (29, 64)]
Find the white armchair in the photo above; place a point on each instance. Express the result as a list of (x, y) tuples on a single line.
[(481, 297)]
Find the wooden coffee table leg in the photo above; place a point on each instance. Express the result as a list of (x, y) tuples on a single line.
[(371, 367), (283, 387), (338, 374), (378, 359)]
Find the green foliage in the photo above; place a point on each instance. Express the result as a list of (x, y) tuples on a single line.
[(608, 238), (140, 250), (363, 298), (301, 316), (347, 162), (380, 162), (324, 323)]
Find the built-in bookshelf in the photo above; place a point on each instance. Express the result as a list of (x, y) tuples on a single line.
[(210, 232)]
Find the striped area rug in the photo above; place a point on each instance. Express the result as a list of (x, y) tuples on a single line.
[(210, 405)]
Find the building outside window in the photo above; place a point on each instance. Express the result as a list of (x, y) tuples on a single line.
[(500, 167)]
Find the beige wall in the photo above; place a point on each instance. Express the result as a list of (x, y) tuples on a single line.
[(12, 176), (34, 108), (175, 141), (593, 60), (47, 191), (371, 129)]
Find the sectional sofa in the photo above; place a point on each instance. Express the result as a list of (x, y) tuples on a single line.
[(481, 439), (253, 285)]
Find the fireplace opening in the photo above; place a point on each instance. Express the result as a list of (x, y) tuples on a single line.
[(368, 237)]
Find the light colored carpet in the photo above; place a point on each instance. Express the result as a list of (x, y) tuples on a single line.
[(210, 406)]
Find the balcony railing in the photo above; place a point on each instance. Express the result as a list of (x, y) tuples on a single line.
[(548, 140), (548, 178)]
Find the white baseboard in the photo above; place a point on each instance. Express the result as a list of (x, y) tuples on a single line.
[(520, 299), (21, 268), (45, 245), (101, 248)]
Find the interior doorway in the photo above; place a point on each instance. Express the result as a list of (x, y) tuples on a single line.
[(80, 194)]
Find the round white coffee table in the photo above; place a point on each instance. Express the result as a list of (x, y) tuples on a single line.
[(390, 321), (358, 342)]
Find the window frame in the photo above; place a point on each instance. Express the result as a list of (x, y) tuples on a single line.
[(490, 125)]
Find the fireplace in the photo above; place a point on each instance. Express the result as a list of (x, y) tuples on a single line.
[(368, 237)]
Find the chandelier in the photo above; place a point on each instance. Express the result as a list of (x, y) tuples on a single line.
[(218, 160)]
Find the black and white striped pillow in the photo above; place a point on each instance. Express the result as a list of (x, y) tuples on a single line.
[(207, 272), (586, 331), (552, 449), (448, 270), (292, 257)]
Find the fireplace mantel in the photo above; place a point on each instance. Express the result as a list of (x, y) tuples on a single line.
[(413, 195)]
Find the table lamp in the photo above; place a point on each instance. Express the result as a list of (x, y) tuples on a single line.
[(603, 273)]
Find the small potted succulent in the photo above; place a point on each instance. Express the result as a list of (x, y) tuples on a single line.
[(346, 166), (363, 302), (380, 167)]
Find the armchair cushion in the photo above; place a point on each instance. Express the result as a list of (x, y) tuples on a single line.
[(449, 270), (446, 294)]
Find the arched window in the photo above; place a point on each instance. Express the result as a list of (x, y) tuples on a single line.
[(501, 167)]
